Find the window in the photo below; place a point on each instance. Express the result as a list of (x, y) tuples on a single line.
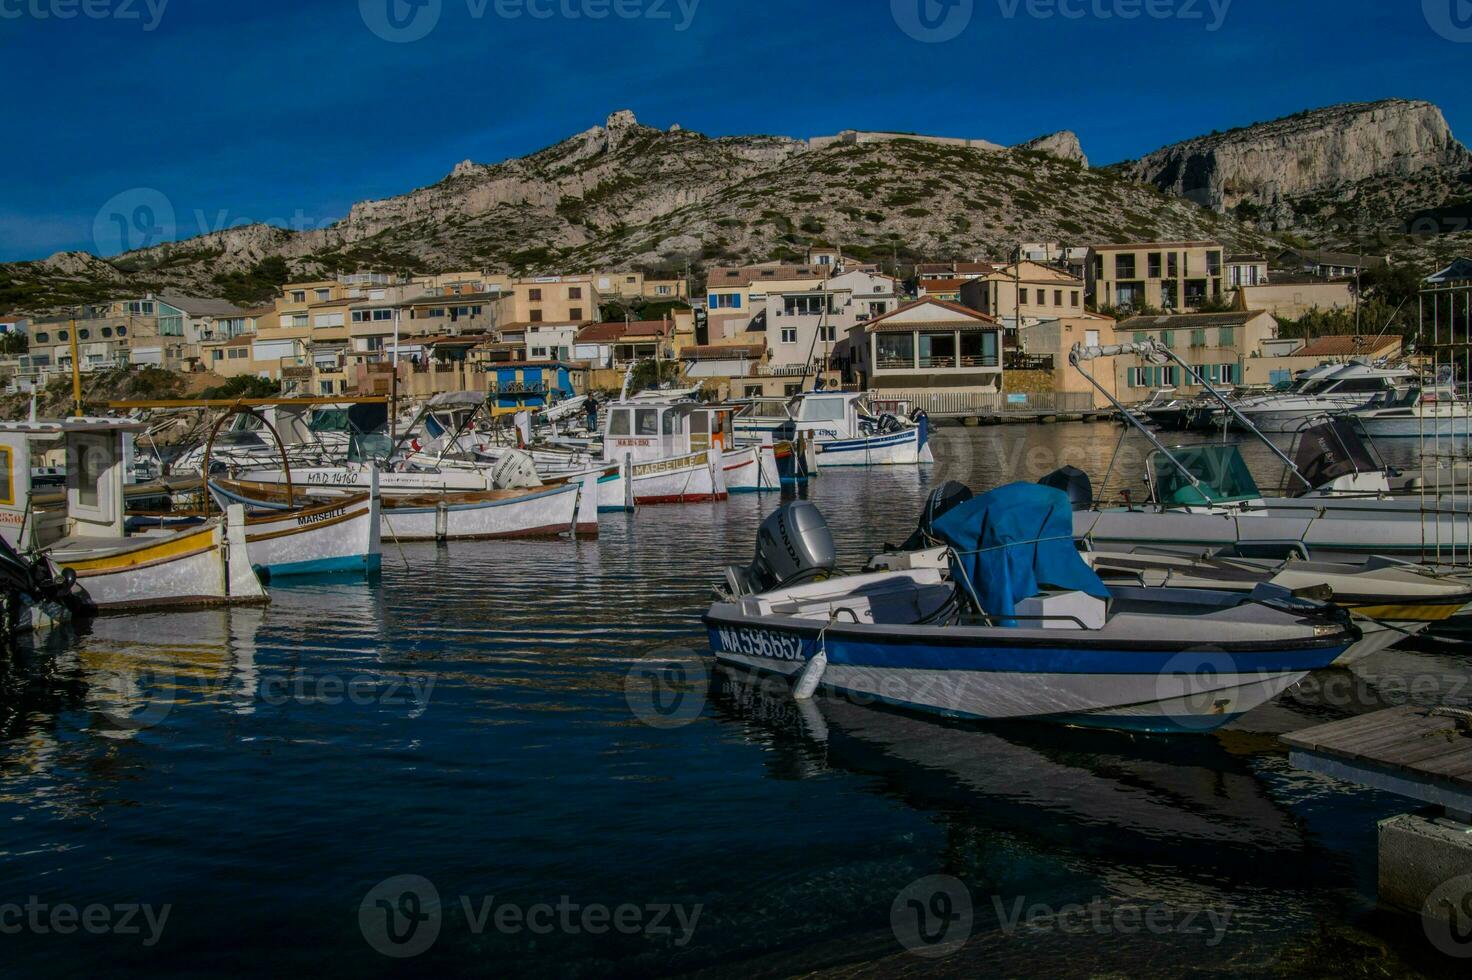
[(575, 313), (894, 350), (1198, 338), (298, 295), (536, 316), (1124, 266), (63, 336), (1168, 338), (539, 353), (618, 422), (323, 295), (534, 295), (43, 338), (327, 320), (1152, 265), (1172, 267), (1021, 296), (370, 316), (1213, 263), (238, 352), (217, 355), (83, 333), (574, 292), (1091, 338), (802, 305), (107, 331), (725, 301), (789, 335), (1073, 299), (1057, 297), (1138, 377), (662, 290), (828, 334), (646, 422), (752, 391), (122, 331), (1228, 337)]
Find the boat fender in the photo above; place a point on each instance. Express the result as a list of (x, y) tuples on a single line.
[(811, 676)]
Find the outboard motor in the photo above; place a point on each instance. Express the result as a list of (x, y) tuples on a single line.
[(948, 495), (793, 545), (515, 470), (1074, 482)]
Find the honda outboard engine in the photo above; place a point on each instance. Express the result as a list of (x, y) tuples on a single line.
[(1074, 482), (793, 545), (948, 495)]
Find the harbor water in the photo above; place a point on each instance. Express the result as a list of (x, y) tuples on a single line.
[(511, 758)]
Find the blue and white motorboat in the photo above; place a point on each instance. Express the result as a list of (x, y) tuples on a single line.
[(843, 429), (1011, 623)]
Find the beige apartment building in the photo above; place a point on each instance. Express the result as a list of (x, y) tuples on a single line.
[(636, 285), (1168, 276), (1217, 345), (1027, 289), (734, 295)]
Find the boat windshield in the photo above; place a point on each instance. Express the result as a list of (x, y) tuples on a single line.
[(1222, 474), (330, 420)]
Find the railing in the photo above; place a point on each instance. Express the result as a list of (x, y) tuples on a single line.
[(1017, 360), (965, 403), (941, 362)]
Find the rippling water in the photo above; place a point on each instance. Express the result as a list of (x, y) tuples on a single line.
[(473, 718)]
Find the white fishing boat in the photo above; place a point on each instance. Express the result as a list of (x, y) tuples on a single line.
[(538, 512), (1017, 626), (843, 428), (668, 451), (84, 529)]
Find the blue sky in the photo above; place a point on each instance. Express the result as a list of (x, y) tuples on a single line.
[(223, 112)]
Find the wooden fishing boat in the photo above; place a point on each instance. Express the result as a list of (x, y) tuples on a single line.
[(84, 530), (670, 451), (541, 512)]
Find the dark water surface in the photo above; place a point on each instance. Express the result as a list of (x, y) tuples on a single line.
[(477, 720)]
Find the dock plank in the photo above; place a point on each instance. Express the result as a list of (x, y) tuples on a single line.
[(1408, 749)]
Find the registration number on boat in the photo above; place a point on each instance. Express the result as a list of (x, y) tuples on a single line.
[(760, 643)]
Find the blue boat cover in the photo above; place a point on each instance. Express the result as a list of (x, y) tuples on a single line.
[(1014, 541)]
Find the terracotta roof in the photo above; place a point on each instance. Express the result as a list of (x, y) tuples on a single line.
[(723, 352), (942, 285), (724, 277), (602, 333), (882, 324), (1339, 345), (1135, 246), (1187, 321)]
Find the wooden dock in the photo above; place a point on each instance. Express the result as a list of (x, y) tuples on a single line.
[(1425, 754), (1419, 753)]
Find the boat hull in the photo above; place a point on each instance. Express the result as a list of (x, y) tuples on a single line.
[(906, 447), (543, 513), (1173, 689), (685, 479), (336, 538), (751, 469), (184, 568)]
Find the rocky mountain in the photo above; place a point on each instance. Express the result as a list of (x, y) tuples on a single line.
[(627, 195), (1356, 175)]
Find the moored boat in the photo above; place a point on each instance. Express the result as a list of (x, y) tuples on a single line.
[(1017, 626)]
